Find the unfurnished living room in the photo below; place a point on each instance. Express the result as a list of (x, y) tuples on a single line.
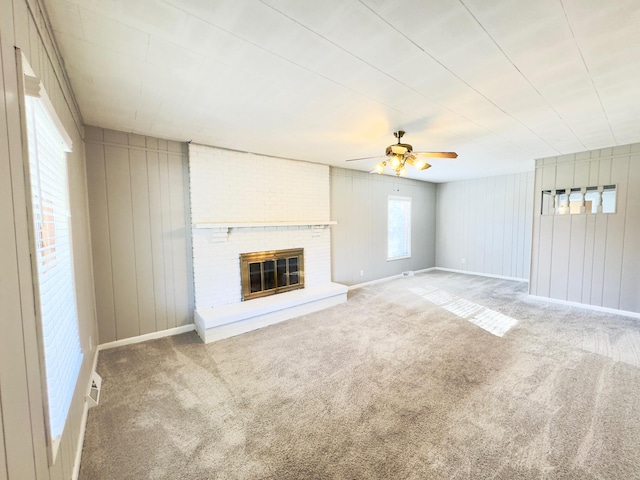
[(357, 239)]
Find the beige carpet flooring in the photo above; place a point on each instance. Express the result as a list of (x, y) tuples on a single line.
[(404, 381)]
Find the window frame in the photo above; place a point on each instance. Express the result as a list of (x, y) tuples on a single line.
[(407, 228), (31, 87)]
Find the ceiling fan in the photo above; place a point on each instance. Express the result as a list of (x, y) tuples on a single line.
[(400, 154)]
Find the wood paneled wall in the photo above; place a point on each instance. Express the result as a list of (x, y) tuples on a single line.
[(359, 240), (140, 230), (590, 258), (23, 449), (484, 225)]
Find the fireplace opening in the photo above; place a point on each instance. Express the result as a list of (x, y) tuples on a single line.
[(271, 272)]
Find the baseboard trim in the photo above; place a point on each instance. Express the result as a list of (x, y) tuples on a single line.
[(83, 423), (373, 282), (148, 336), (615, 311), (481, 274), (386, 279)]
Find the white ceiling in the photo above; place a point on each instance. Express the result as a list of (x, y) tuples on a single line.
[(501, 82)]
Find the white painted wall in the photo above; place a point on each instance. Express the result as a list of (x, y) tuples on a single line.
[(484, 225), (235, 187), (589, 258)]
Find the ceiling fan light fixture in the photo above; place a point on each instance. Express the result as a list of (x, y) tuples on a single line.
[(398, 155), (399, 149), (420, 164)]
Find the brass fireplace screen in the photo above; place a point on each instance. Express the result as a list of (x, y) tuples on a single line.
[(268, 273)]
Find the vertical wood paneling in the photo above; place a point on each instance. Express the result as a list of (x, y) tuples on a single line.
[(508, 241), (165, 203), (157, 238), (142, 240), (23, 449), (100, 238), (488, 250), (141, 227), (561, 239), (498, 224), (486, 222), (528, 225), (615, 242), (630, 275), (599, 258), (602, 248), (544, 256), (587, 269), (564, 175), (535, 234), (575, 272), (123, 258)]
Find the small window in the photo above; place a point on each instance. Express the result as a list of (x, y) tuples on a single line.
[(398, 228)]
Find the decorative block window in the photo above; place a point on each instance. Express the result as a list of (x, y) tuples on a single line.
[(398, 227), (571, 201), (52, 257)]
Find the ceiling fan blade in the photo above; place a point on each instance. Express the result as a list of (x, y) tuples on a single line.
[(437, 154), (365, 158)]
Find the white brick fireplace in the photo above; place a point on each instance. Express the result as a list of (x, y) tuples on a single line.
[(242, 203)]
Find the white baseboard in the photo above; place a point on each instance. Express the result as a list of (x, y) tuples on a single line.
[(586, 306), (481, 274), (148, 336), (83, 423), (386, 279), (373, 282)]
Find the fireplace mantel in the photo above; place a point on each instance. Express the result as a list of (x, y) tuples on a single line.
[(264, 224), (220, 231)]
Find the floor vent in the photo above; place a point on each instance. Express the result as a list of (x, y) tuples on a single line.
[(93, 398)]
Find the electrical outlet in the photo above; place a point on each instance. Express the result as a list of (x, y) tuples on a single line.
[(362, 273), (463, 261)]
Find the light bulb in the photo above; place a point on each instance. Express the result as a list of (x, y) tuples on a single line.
[(395, 161), (402, 171), (419, 164), (380, 167)]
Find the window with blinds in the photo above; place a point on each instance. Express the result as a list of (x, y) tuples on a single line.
[(55, 289)]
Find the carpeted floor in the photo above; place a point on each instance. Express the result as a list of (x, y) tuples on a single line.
[(404, 381)]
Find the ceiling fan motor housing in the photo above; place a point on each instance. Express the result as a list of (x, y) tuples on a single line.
[(399, 149)]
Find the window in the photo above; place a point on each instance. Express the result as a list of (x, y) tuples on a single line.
[(398, 228), (52, 256)]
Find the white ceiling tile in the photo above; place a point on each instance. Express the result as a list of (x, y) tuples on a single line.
[(114, 35), (502, 81)]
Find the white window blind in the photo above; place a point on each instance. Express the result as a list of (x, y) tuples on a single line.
[(53, 259), (398, 227)]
